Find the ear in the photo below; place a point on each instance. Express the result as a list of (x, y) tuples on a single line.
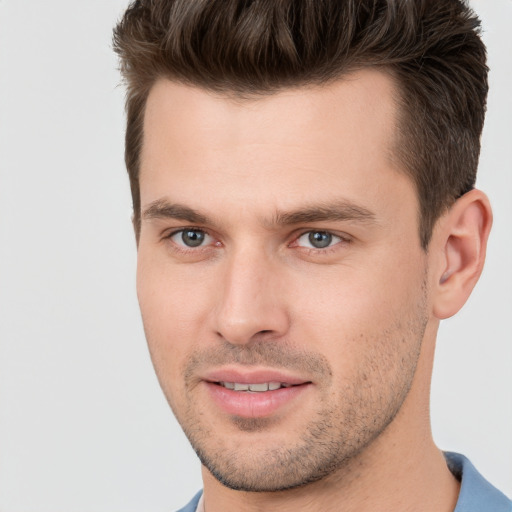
[(460, 246)]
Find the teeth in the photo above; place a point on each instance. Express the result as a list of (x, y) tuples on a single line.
[(257, 388)]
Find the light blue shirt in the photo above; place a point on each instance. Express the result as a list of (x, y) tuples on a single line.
[(476, 493)]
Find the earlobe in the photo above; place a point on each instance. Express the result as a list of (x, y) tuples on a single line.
[(461, 241)]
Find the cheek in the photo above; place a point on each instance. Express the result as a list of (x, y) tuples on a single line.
[(355, 311), (173, 312), (372, 342)]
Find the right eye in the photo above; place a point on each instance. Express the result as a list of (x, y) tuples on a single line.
[(191, 238)]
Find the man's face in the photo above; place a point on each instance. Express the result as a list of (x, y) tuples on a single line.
[(279, 255)]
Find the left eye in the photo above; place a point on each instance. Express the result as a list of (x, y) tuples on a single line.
[(318, 239), (190, 238)]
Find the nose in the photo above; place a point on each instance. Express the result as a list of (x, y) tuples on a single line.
[(251, 301)]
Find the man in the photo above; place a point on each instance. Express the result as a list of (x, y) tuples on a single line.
[(303, 187)]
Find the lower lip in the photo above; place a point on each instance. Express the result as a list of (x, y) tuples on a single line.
[(254, 405)]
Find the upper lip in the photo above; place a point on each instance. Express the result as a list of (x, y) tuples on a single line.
[(252, 376)]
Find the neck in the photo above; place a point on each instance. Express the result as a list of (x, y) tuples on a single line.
[(411, 479)]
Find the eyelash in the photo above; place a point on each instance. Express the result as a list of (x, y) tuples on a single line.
[(343, 240), (187, 249)]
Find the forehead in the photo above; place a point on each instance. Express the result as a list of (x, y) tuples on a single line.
[(331, 139), (362, 101)]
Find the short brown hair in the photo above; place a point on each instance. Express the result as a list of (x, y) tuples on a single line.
[(432, 48)]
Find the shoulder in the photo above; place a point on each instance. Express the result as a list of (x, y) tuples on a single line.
[(476, 493), (192, 504)]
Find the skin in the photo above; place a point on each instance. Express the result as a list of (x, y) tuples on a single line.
[(357, 319)]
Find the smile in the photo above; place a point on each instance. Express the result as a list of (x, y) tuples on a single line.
[(255, 399), (255, 388)]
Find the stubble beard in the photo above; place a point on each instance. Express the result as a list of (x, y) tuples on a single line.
[(330, 441), (338, 432)]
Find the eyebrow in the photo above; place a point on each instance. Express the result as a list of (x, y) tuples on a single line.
[(162, 209), (337, 211)]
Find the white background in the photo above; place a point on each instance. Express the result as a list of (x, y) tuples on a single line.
[(83, 424)]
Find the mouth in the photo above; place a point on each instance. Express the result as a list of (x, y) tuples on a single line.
[(256, 387), (255, 394)]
